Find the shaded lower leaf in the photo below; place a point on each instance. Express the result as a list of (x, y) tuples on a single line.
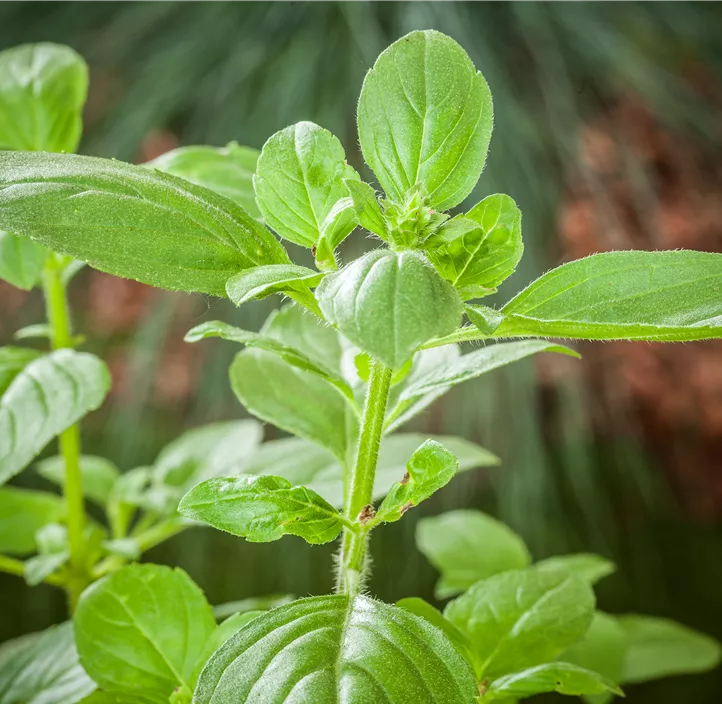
[(659, 647), (23, 512), (43, 668), (142, 629), (337, 650), (46, 397), (559, 677), (12, 361), (254, 603), (262, 509), (467, 546), (21, 260), (522, 618)]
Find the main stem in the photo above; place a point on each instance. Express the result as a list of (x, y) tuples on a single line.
[(353, 551), (56, 303)]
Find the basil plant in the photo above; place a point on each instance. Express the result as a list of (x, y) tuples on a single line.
[(359, 348)]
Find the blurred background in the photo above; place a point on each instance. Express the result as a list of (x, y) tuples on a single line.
[(608, 135)]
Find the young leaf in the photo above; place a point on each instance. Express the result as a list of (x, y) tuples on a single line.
[(337, 649), (12, 361), (337, 225), (131, 221), (262, 509), (303, 463), (430, 468), (658, 647), (42, 92), (98, 475), (290, 355), (262, 281), (467, 546), (45, 398), (485, 319), (436, 618), (142, 629), (52, 541), (368, 210), (522, 618), (21, 261), (43, 668), (662, 296), (603, 648), (298, 180), (294, 400), (478, 250), (425, 116), (389, 304), (586, 565), (23, 512), (469, 366), (227, 170), (561, 677)]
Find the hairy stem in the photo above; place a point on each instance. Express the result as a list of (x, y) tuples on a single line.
[(56, 303), (353, 550), (468, 333)]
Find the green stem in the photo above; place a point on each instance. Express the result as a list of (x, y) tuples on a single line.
[(17, 567), (56, 303), (353, 551)]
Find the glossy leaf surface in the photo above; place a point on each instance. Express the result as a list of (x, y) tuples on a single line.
[(336, 650), (262, 509), (45, 398), (467, 546), (661, 296), (425, 116), (389, 304), (131, 221)]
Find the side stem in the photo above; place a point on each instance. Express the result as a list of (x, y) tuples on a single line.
[(352, 561), (56, 303)]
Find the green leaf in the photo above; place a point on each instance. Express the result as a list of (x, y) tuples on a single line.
[(99, 697), (658, 647), (98, 475), (142, 629), (23, 512), (274, 278), (436, 618), (303, 463), (262, 509), (42, 92), (425, 116), (52, 541), (254, 603), (559, 677), (586, 565), (294, 400), (485, 319), (430, 468), (298, 180), (469, 366), (389, 304), (39, 331), (522, 618), (46, 397), (21, 261), (467, 546), (602, 649), (663, 296), (131, 221), (288, 354), (334, 649), (478, 250), (226, 170), (12, 361), (338, 224), (368, 210), (43, 668)]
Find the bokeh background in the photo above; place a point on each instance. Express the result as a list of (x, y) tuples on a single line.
[(608, 135)]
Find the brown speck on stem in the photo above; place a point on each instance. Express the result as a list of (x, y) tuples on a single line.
[(406, 507), (367, 513), (406, 478), (483, 686), (313, 250)]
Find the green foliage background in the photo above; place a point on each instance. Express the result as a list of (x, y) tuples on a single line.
[(213, 72)]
